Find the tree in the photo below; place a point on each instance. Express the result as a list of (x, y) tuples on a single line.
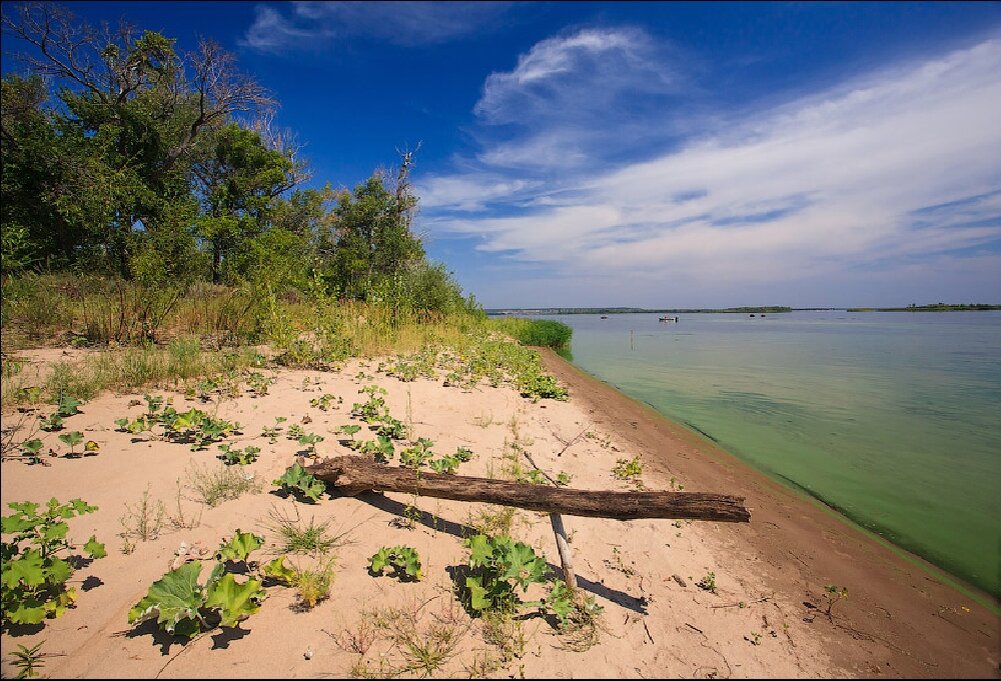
[(237, 181)]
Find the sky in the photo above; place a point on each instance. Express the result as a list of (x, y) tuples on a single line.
[(651, 154)]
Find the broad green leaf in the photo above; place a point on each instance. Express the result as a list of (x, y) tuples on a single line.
[(94, 548), (477, 594), (279, 571), (240, 546), (28, 567), (480, 550), (173, 598), (235, 601), (28, 611), (57, 570), (380, 561)]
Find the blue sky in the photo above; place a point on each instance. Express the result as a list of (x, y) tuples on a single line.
[(653, 154)]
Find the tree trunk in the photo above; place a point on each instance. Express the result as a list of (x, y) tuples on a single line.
[(351, 475)]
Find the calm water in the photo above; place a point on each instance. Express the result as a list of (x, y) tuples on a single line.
[(892, 418)]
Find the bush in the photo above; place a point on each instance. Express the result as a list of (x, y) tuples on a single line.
[(545, 332)]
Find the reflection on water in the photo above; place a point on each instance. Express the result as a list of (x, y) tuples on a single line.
[(891, 418)]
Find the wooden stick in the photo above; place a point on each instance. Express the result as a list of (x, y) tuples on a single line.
[(566, 559), (351, 475)]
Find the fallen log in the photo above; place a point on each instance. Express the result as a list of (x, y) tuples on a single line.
[(352, 475)]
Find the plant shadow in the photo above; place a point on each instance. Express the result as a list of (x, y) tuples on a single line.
[(460, 530)]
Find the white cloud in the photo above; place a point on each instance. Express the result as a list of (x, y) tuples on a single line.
[(313, 25), (820, 186)]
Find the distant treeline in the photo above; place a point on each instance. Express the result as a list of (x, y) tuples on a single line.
[(632, 310), (931, 307)]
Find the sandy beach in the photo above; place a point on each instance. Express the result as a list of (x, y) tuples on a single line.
[(766, 617)]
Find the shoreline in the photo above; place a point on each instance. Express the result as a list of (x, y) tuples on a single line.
[(917, 618)]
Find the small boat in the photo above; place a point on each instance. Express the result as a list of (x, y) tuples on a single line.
[(604, 316), (668, 319)]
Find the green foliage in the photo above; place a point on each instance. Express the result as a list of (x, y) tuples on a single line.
[(417, 455), (323, 403), (449, 464), (628, 469), (72, 440), (349, 430), (34, 575), (381, 448), (271, 432), (52, 422), (499, 565), (182, 606), (297, 481), (542, 332), (310, 440), (27, 660), (403, 560), (707, 583), (68, 406), (232, 456)]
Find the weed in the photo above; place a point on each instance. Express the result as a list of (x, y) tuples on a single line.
[(419, 643), (28, 660), (178, 520), (141, 522), (834, 595), (312, 585), (403, 560), (628, 469), (505, 633), (499, 521), (295, 536), (707, 583), (220, 484)]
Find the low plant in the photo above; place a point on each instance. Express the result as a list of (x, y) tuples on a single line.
[(295, 536), (310, 440), (312, 584), (417, 455), (381, 448), (295, 431), (403, 560), (271, 432), (499, 566), (182, 606), (232, 456), (296, 480), (51, 423), (34, 573), (72, 440), (707, 583), (220, 484), (27, 660), (628, 469), (68, 406), (31, 449), (142, 521), (323, 403), (833, 595), (420, 642)]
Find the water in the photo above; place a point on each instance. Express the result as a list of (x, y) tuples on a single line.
[(893, 418)]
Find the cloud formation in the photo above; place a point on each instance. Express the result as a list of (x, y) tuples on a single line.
[(893, 170), (314, 25)]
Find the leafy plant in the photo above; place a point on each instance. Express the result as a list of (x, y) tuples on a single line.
[(68, 406), (349, 430), (323, 403), (295, 431), (628, 469), (310, 440), (182, 606), (570, 612), (498, 566), (31, 448), (833, 595), (232, 456), (72, 440), (221, 484), (417, 455), (311, 584), (707, 583), (271, 432), (51, 423), (27, 660), (34, 575), (563, 479), (296, 479), (381, 448), (404, 561)]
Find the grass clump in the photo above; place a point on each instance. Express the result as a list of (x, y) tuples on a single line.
[(214, 486), (292, 535), (418, 642)]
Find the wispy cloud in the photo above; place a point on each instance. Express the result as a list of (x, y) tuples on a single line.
[(315, 25), (871, 175)]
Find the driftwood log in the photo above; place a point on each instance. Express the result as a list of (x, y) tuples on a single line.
[(352, 475)]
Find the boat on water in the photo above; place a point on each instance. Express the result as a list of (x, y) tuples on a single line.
[(668, 319)]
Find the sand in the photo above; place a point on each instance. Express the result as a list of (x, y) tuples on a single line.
[(766, 617)]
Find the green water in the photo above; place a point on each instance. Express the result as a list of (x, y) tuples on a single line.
[(891, 418)]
